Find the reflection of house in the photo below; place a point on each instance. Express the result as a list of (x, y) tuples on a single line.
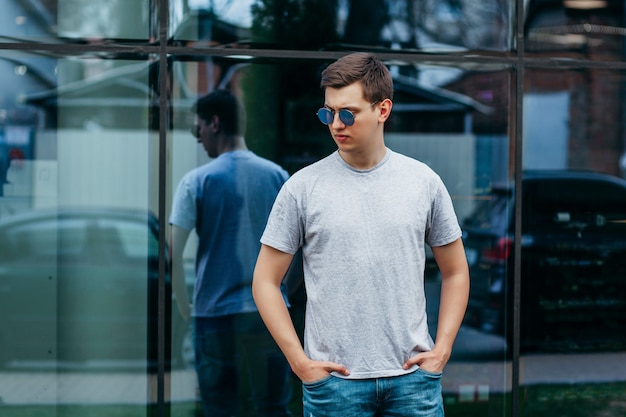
[(572, 119), (126, 95), (441, 111), (123, 97)]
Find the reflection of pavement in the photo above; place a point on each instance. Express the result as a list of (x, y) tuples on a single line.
[(467, 380), (475, 380), (479, 367), (49, 387)]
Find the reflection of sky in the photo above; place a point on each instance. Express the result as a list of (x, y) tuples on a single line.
[(236, 12)]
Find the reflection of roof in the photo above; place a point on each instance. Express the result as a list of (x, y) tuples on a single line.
[(436, 98), (131, 77)]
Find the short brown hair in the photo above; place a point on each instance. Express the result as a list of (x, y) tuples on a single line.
[(364, 67), (227, 107)]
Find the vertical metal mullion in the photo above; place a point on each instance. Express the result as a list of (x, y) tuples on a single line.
[(519, 121), (163, 10)]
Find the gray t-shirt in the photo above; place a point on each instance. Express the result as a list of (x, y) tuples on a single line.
[(362, 235)]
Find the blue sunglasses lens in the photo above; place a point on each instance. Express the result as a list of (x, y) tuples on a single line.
[(346, 117), (326, 116)]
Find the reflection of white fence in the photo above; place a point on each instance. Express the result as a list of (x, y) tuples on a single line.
[(452, 156), (106, 168), (83, 168)]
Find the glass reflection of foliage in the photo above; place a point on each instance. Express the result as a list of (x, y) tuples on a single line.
[(284, 24), (289, 24), (279, 97), (316, 24), (467, 23), (311, 24), (365, 22)]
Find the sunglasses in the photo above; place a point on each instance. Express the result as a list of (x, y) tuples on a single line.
[(327, 116)]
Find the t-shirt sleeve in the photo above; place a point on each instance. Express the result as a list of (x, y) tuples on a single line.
[(443, 227), (283, 230), (184, 209)]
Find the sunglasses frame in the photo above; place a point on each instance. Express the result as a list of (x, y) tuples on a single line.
[(346, 116)]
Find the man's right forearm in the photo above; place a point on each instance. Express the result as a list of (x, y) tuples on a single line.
[(268, 274), (276, 317), (179, 286)]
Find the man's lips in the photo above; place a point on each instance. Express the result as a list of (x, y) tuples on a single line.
[(341, 138)]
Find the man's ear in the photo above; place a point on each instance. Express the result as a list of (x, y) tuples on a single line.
[(385, 110), (215, 124)]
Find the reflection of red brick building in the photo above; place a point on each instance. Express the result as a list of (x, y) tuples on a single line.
[(595, 125), (579, 52)]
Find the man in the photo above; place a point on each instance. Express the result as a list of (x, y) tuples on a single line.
[(362, 216), (227, 202)]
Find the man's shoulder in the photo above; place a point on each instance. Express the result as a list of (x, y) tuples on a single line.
[(409, 162)]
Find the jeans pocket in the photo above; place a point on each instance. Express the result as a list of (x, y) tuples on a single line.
[(436, 375), (318, 383)]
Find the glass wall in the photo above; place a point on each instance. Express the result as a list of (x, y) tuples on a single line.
[(517, 105)]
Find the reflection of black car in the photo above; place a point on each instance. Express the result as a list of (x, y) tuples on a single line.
[(82, 285), (573, 262)]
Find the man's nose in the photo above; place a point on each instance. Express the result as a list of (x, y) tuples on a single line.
[(337, 120)]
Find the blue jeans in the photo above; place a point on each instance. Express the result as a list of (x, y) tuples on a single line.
[(239, 345), (417, 394)]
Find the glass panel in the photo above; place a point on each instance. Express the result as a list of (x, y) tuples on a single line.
[(432, 25), (451, 118), (53, 20), (585, 29), (478, 176), (573, 305), (78, 234)]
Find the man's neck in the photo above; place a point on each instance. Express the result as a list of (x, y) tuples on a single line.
[(233, 144), (364, 161)]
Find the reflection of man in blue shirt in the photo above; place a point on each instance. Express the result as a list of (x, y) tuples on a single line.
[(227, 201)]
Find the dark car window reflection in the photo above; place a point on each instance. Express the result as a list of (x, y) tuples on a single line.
[(573, 245)]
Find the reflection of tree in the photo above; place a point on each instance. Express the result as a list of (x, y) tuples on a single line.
[(307, 24), (311, 24), (365, 22), (286, 24), (291, 24), (467, 23)]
